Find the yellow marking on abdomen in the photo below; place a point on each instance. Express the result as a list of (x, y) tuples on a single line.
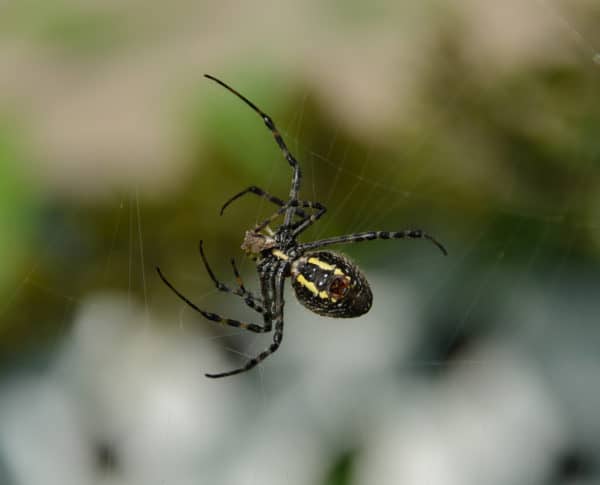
[(321, 264), (280, 254), (309, 285)]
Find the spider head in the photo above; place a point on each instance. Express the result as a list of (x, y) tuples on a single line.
[(255, 243), (330, 285)]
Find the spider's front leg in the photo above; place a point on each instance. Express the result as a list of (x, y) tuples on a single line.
[(303, 223), (298, 226), (270, 124), (253, 189)]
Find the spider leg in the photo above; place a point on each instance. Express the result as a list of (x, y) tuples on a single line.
[(261, 193), (277, 336), (252, 327), (250, 300), (294, 204), (370, 236), (241, 286), (301, 226), (269, 123), (238, 278)]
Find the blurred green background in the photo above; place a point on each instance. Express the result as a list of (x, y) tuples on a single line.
[(476, 121)]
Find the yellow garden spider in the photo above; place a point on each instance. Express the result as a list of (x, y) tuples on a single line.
[(325, 282)]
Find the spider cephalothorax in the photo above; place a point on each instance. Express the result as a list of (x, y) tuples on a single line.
[(255, 243), (325, 282)]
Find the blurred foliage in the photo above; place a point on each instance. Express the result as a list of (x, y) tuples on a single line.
[(341, 472), (17, 215), (69, 28), (504, 162)]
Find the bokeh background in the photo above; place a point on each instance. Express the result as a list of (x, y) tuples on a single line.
[(478, 121)]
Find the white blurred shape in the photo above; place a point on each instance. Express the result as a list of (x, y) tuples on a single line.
[(491, 421), (41, 437), (330, 349), (278, 454), (124, 384), (145, 391)]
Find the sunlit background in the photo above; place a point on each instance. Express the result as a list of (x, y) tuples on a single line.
[(477, 121)]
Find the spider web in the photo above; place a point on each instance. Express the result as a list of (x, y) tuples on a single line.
[(478, 326)]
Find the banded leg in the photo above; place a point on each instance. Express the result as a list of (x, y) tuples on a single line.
[(249, 299), (261, 193), (238, 278), (277, 336), (252, 327), (301, 226), (270, 124), (293, 204), (370, 236)]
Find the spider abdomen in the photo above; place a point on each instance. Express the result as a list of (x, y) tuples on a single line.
[(330, 285)]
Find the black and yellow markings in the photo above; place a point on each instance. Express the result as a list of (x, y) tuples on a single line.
[(328, 284), (280, 254), (317, 275), (252, 327), (328, 267), (238, 280), (310, 286), (321, 264), (214, 317)]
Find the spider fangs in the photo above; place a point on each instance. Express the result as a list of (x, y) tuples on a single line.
[(325, 282)]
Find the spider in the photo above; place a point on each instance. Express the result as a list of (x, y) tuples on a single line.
[(325, 282)]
